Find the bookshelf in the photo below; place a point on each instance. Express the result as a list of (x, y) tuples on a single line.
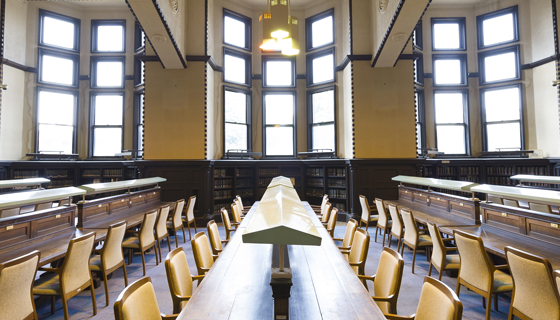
[(324, 179), (229, 182)]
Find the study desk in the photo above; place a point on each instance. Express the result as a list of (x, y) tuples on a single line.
[(423, 214), (238, 285)]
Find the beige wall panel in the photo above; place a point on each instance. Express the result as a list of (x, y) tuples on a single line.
[(344, 116), (547, 128), (15, 30), (174, 112), (176, 20), (215, 116), (196, 20), (11, 125), (362, 26), (384, 116), (542, 30)]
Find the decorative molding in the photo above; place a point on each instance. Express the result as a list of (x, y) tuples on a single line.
[(84, 77), (169, 33), (214, 65), (382, 5), (391, 25), (301, 76), (413, 56), (256, 77), (410, 38), (351, 28), (473, 74), (16, 65), (174, 6)]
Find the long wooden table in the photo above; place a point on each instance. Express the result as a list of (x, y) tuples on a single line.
[(238, 285), (422, 214)]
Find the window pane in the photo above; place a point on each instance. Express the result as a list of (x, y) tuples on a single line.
[(448, 72), (55, 138), (280, 141), (110, 38), (498, 29), (236, 107), (236, 136), (58, 33), (108, 110), (279, 73), (56, 108), (323, 106), (57, 70), (322, 31), (502, 105), (109, 74), (140, 136), (449, 107), (234, 32), (418, 136), (416, 107), (234, 69), (323, 69), (279, 108), (500, 67), (504, 135), (446, 36), (107, 142), (451, 139), (323, 137), (141, 113)]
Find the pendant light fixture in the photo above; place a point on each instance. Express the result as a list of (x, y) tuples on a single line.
[(280, 11), (269, 43), (280, 29), (290, 45)]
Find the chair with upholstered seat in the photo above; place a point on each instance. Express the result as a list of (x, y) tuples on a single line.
[(43, 206), (412, 236), (441, 260), (437, 301), (216, 242), (161, 229), (348, 236), (325, 215), (10, 212), (138, 301), (397, 229), (144, 240), (477, 273), (540, 207), (236, 214), (244, 209), (227, 223), (16, 287), (72, 277), (383, 221), (110, 257), (179, 278), (367, 217), (494, 199), (319, 209), (511, 203), (203, 257), (176, 222), (189, 216), (357, 255), (535, 295), (387, 280), (331, 224)]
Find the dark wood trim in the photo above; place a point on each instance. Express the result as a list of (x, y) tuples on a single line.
[(2, 21), (197, 58), (128, 77), (85, 77), (169, 33), (205, 27), (410, 37), (144, 58), (257, 77), (554, 25), (414, 56), (351, 28), (391, 25), (429, 75), (301, 76), (360, 57), (342, 65), (538, 63), (16, 65), (214, 65), (473, 74)]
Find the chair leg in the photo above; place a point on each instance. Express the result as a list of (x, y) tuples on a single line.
[(125, 276), (195, 231), (129, 256), (440, 274), (155, 253), (184, 236), (158, 247), (390, 234), (458, 289), (93, 297), (176, 239), (168, 243), (106, 288), (376, 229), (430, 270), (384, 234), (143, 262), (65, 308), (413, 259), (496, 302), (189, 227), (488, 307), (52, 304)]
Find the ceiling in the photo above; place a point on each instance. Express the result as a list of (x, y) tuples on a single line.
[(90, 3), (261, 4)]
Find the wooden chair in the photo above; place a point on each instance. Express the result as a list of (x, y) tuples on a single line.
[(138, 301), (202, 253), (556, 274), (440, 259), (189, 216), (43, 206), (540, 207), (319, 209), (383, 221), (16, 287), (332, 222), (161, 229), (110, 257), (236, 215), (367, 217), (535, 295), (494, 199), (387, 280), (437, 301), (477, 273), (176, 222), (215, 241), (412, 236), (10, 212), (144, 240), (73, 277), (511, 203), (326, 213), (348, 237), (358, 253), (227, 223), (397, 229), (64, 202), (179, 278), (244, 209)]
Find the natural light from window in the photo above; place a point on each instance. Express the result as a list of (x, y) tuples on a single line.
[(502, 105), (234, 69), (448, 71), (450, 122), (234, 32), (107, 142), (56, 121), (449, 107), (323, 69), (109, 74), (500, 67), (58, 33), (110, 38), (108, 110), (504, 136), (323, 106), (57, 70), (322, 32), (451, 139), (279, 73), (498, 29), (279, 124), (446, 36), (236, 120)]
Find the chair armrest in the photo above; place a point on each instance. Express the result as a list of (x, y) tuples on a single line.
[(197, 278), (370, 278), (397, 317), (235, 223), (383, 298), (219, 251), (169, 317), (183, 298), (55, 270), (337, 239), (373, 208), (98, 251), (448, 239), (344, 248), (224, 242), (214, 256), (355, 264), (450, 249), (314, 206), (502, 266)]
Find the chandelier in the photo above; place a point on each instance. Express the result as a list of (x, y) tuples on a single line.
[(280, 28)]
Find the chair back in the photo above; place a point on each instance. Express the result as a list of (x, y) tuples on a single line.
[(179, 276), (534, 291), (540, 207), (214, 236), (324, 202), (410, 227), (349, 234), (10, 212), (202, 252), (511, 203), (388, 277), (178, 213), (475, 265), (112, 249), (397, 228), (161, 223), (239, 205), (43, 206), (438, 301), (494, 199), (190, 209), (557, 280), (226, 221), (147, 230), (358, 252), (240, 201), (75, 269), (235, 213), (365, 208), (326, 213), (332, 221), (380, 205), (137, 301), (16, 287), (438, 253)]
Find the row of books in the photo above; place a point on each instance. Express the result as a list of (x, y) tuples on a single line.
[(504, 181), (314, 192), (91, 173), (112, 172), (532, 170), (337, 182), (315, 171), (337, 193), (340, 206), (470, 179), (53, 174), (222, 183), (243, 193), (268, 172), (244, 172), (500, 170), (338, 172), (244, 183), (469, 170), (60, 184), (222, 194), (24, 174), (447, 170), (315, 182), (219, 173), (264, 182)]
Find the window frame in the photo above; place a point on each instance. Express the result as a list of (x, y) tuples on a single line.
[(77, 29), (461, 21), (138, 73), (248, 29), (466, 122), (485, 123), (482, 66), (93, 70), (419, 70), (92, 126), (421, 103), (293, 93), (464, 69), (96, 23), (311, 124), (267, 58), (248, 62), (138, 33), (76, 95), (309, 32), (309, 66), (249, 124), (67, 55), (137, 117), (417, 38), (481, 18)]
